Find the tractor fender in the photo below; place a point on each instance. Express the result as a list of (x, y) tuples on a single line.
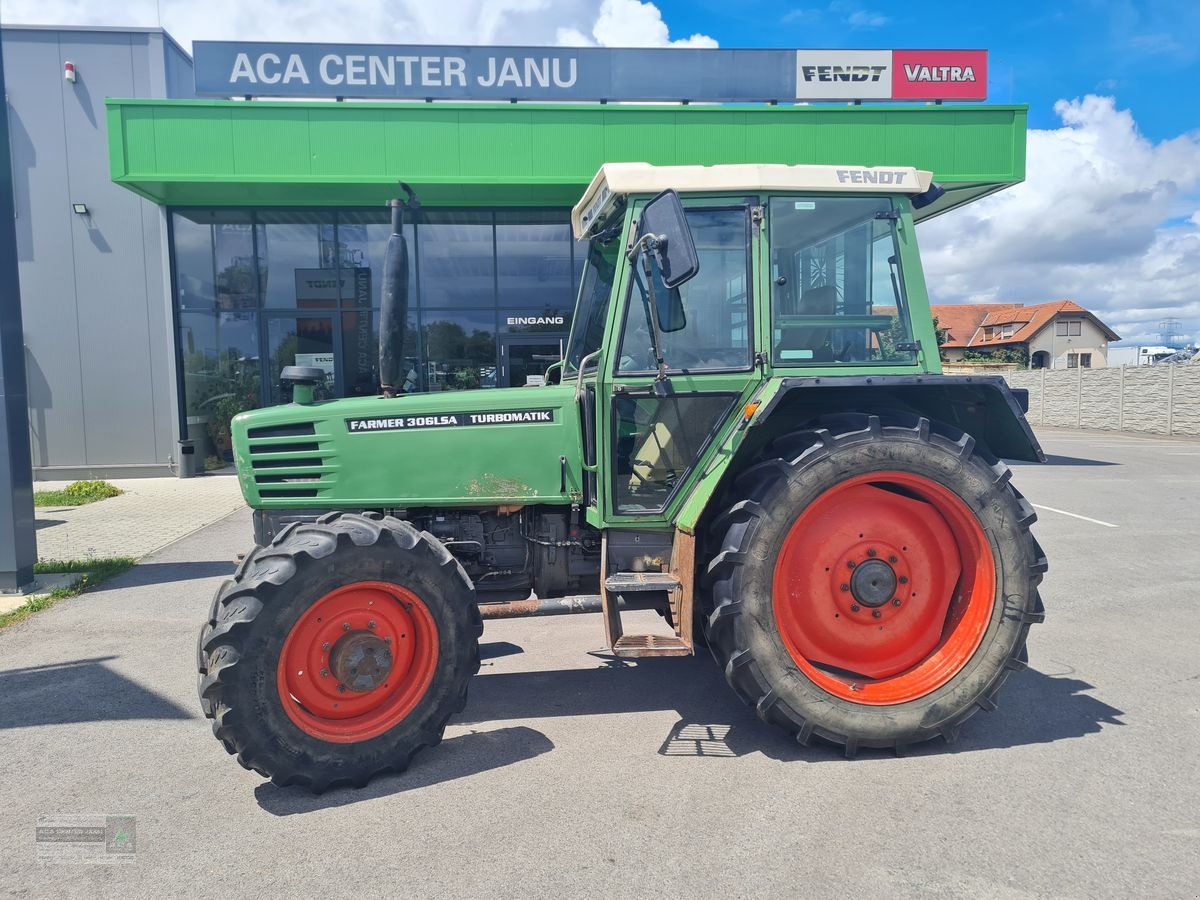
[(983, 406)]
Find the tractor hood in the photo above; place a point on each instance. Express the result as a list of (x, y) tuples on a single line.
[(510, 446)]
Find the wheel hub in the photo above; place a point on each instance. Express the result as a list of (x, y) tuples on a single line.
[(357, 661), (360, 661), (873, 583)]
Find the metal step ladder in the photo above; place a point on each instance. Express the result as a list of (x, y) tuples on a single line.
[(677, 584)]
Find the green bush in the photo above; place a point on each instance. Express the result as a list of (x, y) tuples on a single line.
[(76, 494), (90, 491)]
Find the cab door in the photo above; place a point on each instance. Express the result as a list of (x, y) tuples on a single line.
[(653, 441)]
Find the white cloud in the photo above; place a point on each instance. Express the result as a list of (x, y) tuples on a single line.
[(862, 18), (627, 23), (857, 16), (631, 23), (1105, 217)]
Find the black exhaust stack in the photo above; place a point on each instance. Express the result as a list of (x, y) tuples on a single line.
[(393, 313)]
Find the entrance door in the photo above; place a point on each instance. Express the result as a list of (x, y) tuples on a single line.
[(301, 339), (524, 358)]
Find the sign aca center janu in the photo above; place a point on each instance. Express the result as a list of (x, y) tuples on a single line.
[(224, 68)]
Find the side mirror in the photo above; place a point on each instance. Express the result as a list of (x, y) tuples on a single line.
[(672, 244), (670, 312)]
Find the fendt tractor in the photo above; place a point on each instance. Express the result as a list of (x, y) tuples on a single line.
[(749, 433)]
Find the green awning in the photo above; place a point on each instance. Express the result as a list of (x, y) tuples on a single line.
[(260, 153)]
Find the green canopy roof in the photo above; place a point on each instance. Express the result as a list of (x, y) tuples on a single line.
[(260, 153)]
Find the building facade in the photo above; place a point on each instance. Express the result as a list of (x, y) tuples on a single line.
[(1056, 335), (225, 239), (92, 257)]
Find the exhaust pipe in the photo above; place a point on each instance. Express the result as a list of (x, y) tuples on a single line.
[(393, 312)]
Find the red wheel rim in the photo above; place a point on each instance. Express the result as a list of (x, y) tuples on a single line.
[(384, 616), (877, 638)]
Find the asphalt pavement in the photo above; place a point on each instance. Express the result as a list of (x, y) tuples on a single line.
[(571, 773)]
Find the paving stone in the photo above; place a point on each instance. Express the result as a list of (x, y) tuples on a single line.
[(152, 513)]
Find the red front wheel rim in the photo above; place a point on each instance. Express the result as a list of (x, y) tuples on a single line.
[(357, 661), (884, 588)]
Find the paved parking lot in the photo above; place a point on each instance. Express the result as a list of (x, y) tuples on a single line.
[(574, 774)]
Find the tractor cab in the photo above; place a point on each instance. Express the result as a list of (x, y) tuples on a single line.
[(702, 283)]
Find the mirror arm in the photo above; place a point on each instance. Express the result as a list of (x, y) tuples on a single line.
[(655, 331)]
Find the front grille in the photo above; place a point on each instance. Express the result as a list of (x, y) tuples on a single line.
[(286, 468), (294, 430)]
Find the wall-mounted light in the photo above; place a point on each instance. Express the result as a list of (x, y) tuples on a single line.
[(69, 71), (80, 209)]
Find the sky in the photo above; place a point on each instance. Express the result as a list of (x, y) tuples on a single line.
[(1109, 214)]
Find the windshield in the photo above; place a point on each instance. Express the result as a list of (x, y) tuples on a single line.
[(837, 291), (595, 293)]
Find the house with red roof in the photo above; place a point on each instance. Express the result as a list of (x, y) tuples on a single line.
[(1056, 335)]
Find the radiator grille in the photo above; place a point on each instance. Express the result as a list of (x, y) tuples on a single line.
[(288, 468)]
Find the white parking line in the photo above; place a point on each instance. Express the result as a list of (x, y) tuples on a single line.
[(1063, 512)]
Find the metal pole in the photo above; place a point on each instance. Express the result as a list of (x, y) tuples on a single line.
[(18, 544)]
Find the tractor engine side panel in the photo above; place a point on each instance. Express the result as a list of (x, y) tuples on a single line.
[(506, 553)]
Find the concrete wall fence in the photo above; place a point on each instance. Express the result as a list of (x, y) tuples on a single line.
[(1147, 399)]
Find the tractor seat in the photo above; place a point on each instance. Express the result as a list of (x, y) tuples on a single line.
[(818, 301)]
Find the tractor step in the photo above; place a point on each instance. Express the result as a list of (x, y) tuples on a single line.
[(639, 645), (631, 582), (623, 588)]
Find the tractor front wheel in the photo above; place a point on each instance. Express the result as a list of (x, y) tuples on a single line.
[(339, 651), (876, 586)]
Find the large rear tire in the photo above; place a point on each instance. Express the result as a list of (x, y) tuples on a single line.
[(876, 585), (339, 651)]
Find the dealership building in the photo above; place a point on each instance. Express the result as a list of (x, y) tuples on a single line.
[(182, 236)]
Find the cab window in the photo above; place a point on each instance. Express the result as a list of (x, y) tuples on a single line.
[(595, 290), (716, 330), (837, 291)]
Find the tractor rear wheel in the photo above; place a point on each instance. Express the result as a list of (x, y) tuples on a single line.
[(876, 586), (339, 651)]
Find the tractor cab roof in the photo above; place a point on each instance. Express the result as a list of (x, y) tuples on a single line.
[(616, 181)]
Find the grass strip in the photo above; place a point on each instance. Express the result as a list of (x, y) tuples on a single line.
[(95, 571)]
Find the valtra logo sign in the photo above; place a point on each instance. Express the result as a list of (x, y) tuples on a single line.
[(939, 74), (891, 74)]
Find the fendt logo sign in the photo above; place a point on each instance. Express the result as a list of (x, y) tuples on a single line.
[(416, 72), (891, 74)]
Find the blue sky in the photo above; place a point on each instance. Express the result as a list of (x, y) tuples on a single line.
[(1145, 54)]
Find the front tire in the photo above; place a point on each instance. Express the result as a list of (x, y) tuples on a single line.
[(876, 586), (339, 651)]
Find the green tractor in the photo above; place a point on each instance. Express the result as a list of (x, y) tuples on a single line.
[(748, 433)]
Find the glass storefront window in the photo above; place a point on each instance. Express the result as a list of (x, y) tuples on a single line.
[(491, 295), (360, 354), (457, 259), (362, 239), (460, 349), (298, 260), (533, 259), (195, 281), (221, 375), (301, 340)]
